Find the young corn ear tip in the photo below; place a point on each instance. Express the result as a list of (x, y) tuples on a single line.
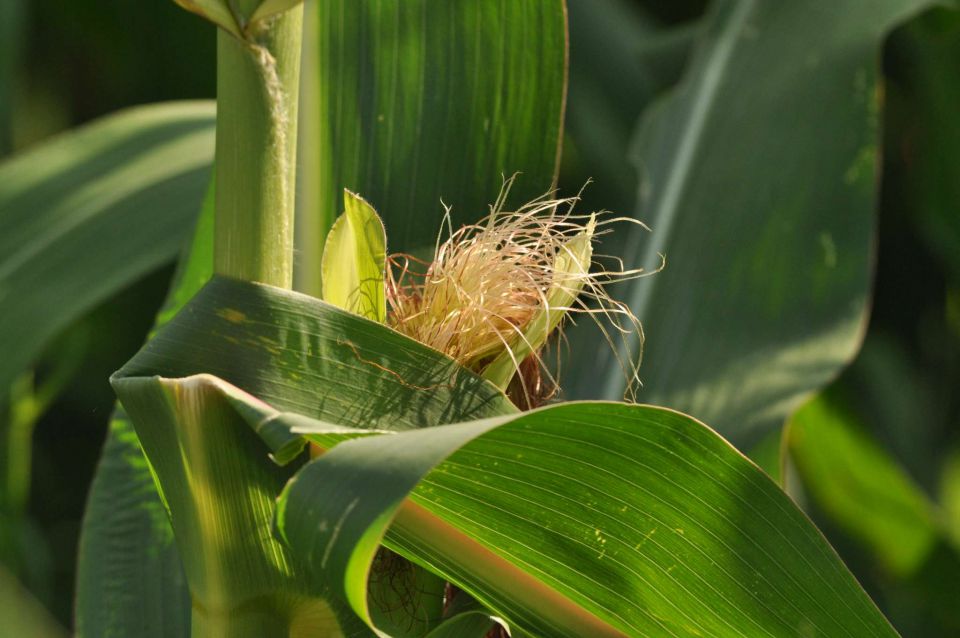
[(489, 282)]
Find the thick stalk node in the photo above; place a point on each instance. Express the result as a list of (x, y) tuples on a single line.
[(257, 95)]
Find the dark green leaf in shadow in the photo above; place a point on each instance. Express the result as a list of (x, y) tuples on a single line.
[(127, 553), (763, 297), (91, 211)]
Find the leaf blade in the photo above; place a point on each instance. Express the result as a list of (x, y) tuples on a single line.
[(763, 297), (707, 545)]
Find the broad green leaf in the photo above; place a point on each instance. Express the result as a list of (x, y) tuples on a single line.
[(354, 259), (507, 494), (581, 519), (416, 103), (91, 211), (82, 216), (300, 354), (861, 488), (621, 60), (764, 292)]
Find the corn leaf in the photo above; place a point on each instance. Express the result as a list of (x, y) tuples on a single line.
[(764, 293), (301, 354), (90, 212), (127, 553), (81, 217), (862, 488), (579, 519)]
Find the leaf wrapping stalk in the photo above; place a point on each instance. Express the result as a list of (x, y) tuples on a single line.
[(257, 94)]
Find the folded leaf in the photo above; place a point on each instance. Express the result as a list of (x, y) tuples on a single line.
[(216, 480)]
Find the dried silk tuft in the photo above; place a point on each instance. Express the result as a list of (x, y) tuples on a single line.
[(489, 281)]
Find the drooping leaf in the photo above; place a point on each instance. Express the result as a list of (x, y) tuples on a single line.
[(301, 354), (581, 519), (82, 216), (91, 211), (354, 258), (893, 533), (764, 291), (415, 103), (282, 346)]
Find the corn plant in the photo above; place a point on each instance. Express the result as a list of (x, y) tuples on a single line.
[(342, 425)]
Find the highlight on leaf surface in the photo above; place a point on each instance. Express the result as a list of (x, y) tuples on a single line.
[(496, 290)]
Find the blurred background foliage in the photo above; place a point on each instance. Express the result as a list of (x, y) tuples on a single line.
[(875, 459)]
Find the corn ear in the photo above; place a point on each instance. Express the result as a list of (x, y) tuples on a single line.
[(570, 268)]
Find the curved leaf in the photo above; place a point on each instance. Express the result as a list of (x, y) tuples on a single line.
[(764, 293), (578, 519), (302, 354), (91, 211), (581, 519), (861, 487)]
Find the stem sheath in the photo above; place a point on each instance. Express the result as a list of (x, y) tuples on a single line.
[(257, 95)]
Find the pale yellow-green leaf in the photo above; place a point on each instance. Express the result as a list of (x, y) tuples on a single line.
[(354, 259)]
